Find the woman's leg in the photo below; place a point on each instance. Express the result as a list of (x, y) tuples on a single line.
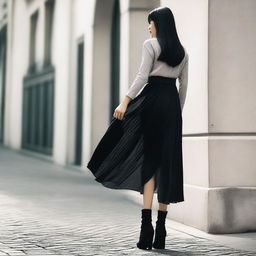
[(148, 193), (163, 207)]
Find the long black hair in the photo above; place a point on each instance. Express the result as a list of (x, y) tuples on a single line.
[(172, 51)]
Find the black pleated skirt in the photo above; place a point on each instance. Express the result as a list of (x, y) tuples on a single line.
[(147, 142)]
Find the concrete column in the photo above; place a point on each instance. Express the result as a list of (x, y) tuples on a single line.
[(232, 116), (100, 91), (61, 60), (219, 118)]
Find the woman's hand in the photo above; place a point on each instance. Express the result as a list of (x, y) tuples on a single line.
[(120, 111)]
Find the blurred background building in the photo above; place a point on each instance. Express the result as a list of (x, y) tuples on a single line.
[(66, 64)]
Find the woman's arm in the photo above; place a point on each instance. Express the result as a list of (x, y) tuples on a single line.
[(183, 83), (140, 80), (144, 69)]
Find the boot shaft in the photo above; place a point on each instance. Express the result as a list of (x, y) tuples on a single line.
[(161, 217), (146, 216)]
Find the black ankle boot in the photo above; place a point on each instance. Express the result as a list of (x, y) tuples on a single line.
[(147, 230), (160, 232)]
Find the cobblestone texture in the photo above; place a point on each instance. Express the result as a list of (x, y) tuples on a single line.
[(46, 209)]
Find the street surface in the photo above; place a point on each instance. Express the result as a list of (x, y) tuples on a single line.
[(47, 209)]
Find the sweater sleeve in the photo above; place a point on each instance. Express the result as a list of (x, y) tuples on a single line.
[(183, 82), (144, 69)]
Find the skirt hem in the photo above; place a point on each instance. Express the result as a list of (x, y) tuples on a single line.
[(112, 185)]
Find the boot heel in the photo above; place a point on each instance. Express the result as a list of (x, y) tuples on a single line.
[(159, 242), (147, 231), (146, 240), (160, 232)]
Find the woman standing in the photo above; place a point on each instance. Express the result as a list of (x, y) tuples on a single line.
[(142, 148)]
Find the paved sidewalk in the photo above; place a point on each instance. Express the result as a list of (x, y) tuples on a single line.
[(46, 209)]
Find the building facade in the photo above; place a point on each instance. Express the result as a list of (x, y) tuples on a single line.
[(66, 64)]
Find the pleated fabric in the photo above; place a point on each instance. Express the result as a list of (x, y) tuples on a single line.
[(147, 142)]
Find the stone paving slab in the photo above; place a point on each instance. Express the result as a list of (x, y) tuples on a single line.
[(46, 209)]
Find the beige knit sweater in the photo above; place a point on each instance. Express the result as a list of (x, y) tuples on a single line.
[(150, 66)]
